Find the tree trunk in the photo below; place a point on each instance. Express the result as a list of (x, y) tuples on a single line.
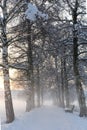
[(42, 95), (38, 87), (58, 92), (7, 91), (62, 84), (66, 89), (8, 97), (30, 92)]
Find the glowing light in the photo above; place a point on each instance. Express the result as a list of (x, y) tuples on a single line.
[(1, 82), (48, 103)]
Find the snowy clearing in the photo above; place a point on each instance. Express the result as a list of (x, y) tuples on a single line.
[(47, 118)]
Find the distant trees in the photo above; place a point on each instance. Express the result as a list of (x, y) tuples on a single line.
[(74, 10)]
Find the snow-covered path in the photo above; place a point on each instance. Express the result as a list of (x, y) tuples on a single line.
[(47, 118)]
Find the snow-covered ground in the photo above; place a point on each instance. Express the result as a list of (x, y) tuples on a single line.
[(47, 118), (19, 104)]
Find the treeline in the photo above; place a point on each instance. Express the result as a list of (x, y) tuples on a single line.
[(47, 47)]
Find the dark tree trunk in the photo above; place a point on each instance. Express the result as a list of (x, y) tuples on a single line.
[(30, 92), (58, 91), (62, 84)]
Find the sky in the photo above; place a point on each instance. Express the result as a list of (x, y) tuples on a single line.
[(86, 6)]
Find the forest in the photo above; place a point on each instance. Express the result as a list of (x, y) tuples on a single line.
[(43, 43)]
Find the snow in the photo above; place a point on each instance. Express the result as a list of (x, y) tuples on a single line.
[(32, 13), (48, 4), (47, 118), (19, 104)]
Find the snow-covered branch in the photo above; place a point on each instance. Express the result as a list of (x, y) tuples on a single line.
[(32, 13)]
